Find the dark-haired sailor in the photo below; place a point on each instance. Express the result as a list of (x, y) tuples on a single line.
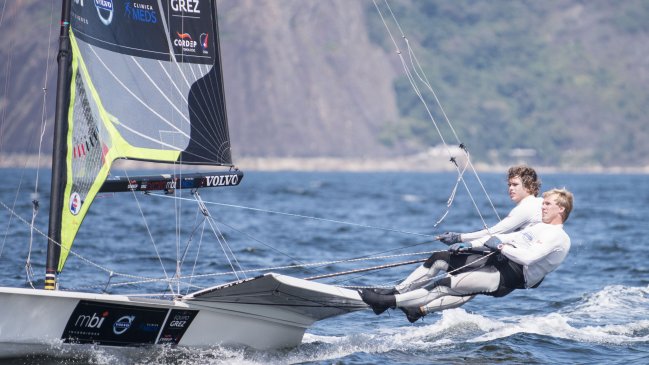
[(522, 260), (523, 186)]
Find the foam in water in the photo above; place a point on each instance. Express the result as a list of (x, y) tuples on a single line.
[(614, 315)]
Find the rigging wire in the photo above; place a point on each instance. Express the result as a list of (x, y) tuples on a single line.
[(420, 74), (35, 203), (219, 236), (198, 251), (303, 216), (148, 230), (210, 220), (138, 279)]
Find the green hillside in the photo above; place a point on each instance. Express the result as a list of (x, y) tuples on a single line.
[(556, 83), (564, 78)]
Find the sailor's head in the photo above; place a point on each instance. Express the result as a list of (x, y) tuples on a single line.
[(557, 205), (522, 181)]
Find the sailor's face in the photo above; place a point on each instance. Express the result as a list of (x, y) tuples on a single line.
[(550, 211), (516, 190)]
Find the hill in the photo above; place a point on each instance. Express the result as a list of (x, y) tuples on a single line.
[(555, 83)]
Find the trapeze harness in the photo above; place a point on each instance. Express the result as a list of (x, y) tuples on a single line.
[(511, 273)]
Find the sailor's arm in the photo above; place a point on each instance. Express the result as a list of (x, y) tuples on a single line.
[(516, 218), (549, 241), (528, 255)]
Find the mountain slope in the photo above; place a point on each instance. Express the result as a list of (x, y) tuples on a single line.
[(559, 83)]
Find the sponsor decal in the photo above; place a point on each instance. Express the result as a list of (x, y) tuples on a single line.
[(204, 42), (79, 18), (138, 12), (105, 10), (186, 6), (222, 180), (132, 185), (187, 183), (177, 324), (170, 185), (93, 321), (122, 325), (114, 324), (75, 203), (185, 41), (153, 185)]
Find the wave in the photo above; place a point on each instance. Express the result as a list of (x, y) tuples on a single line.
[(615, 315)]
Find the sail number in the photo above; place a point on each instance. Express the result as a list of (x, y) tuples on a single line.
[(185, 6)]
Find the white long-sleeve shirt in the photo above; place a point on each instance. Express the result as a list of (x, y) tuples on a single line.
[(526, 213), (540, 248)]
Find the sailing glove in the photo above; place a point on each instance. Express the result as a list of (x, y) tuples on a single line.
[(450, 238), (493, 243), (457, 247)]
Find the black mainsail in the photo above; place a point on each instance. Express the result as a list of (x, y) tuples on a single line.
[(139, 80)]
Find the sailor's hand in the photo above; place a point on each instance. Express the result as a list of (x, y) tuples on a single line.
[(450, 238), (494, 244), (457, 247)]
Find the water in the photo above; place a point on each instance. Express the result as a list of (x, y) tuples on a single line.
[(593, 309)]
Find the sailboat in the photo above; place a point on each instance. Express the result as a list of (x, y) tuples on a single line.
[(143, 81)]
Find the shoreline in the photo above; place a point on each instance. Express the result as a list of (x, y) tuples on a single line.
[(424, 162)]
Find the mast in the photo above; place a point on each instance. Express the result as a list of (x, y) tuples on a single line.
[(59, 149)]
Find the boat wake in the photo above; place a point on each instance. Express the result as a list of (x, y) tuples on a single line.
[(615, 315)]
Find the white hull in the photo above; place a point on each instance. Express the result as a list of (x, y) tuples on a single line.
[(271, 311)]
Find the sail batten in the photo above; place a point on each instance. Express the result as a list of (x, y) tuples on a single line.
[(146, 84)]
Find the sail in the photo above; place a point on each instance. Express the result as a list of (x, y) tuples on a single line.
[(146, 84)]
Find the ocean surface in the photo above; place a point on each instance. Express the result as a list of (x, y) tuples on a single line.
[(594, 309)]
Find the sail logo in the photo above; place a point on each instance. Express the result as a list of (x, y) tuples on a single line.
[(204, 42), (75, 203), (224, 180), (143, 13), (185, 6), (179, 321), (123, 324), (94, 321), (186, 42), (105, 10)]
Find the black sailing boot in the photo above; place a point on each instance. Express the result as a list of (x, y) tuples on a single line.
[(385, 291), (412, 313), (379, 303)]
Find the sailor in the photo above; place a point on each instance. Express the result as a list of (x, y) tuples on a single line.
[(518, 260), (523, 185)]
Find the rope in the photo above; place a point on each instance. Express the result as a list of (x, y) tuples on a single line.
[(89, 262), (144, 279), (420, 74), (433, 279), (300, 216), (380, 267), (219, 237)]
